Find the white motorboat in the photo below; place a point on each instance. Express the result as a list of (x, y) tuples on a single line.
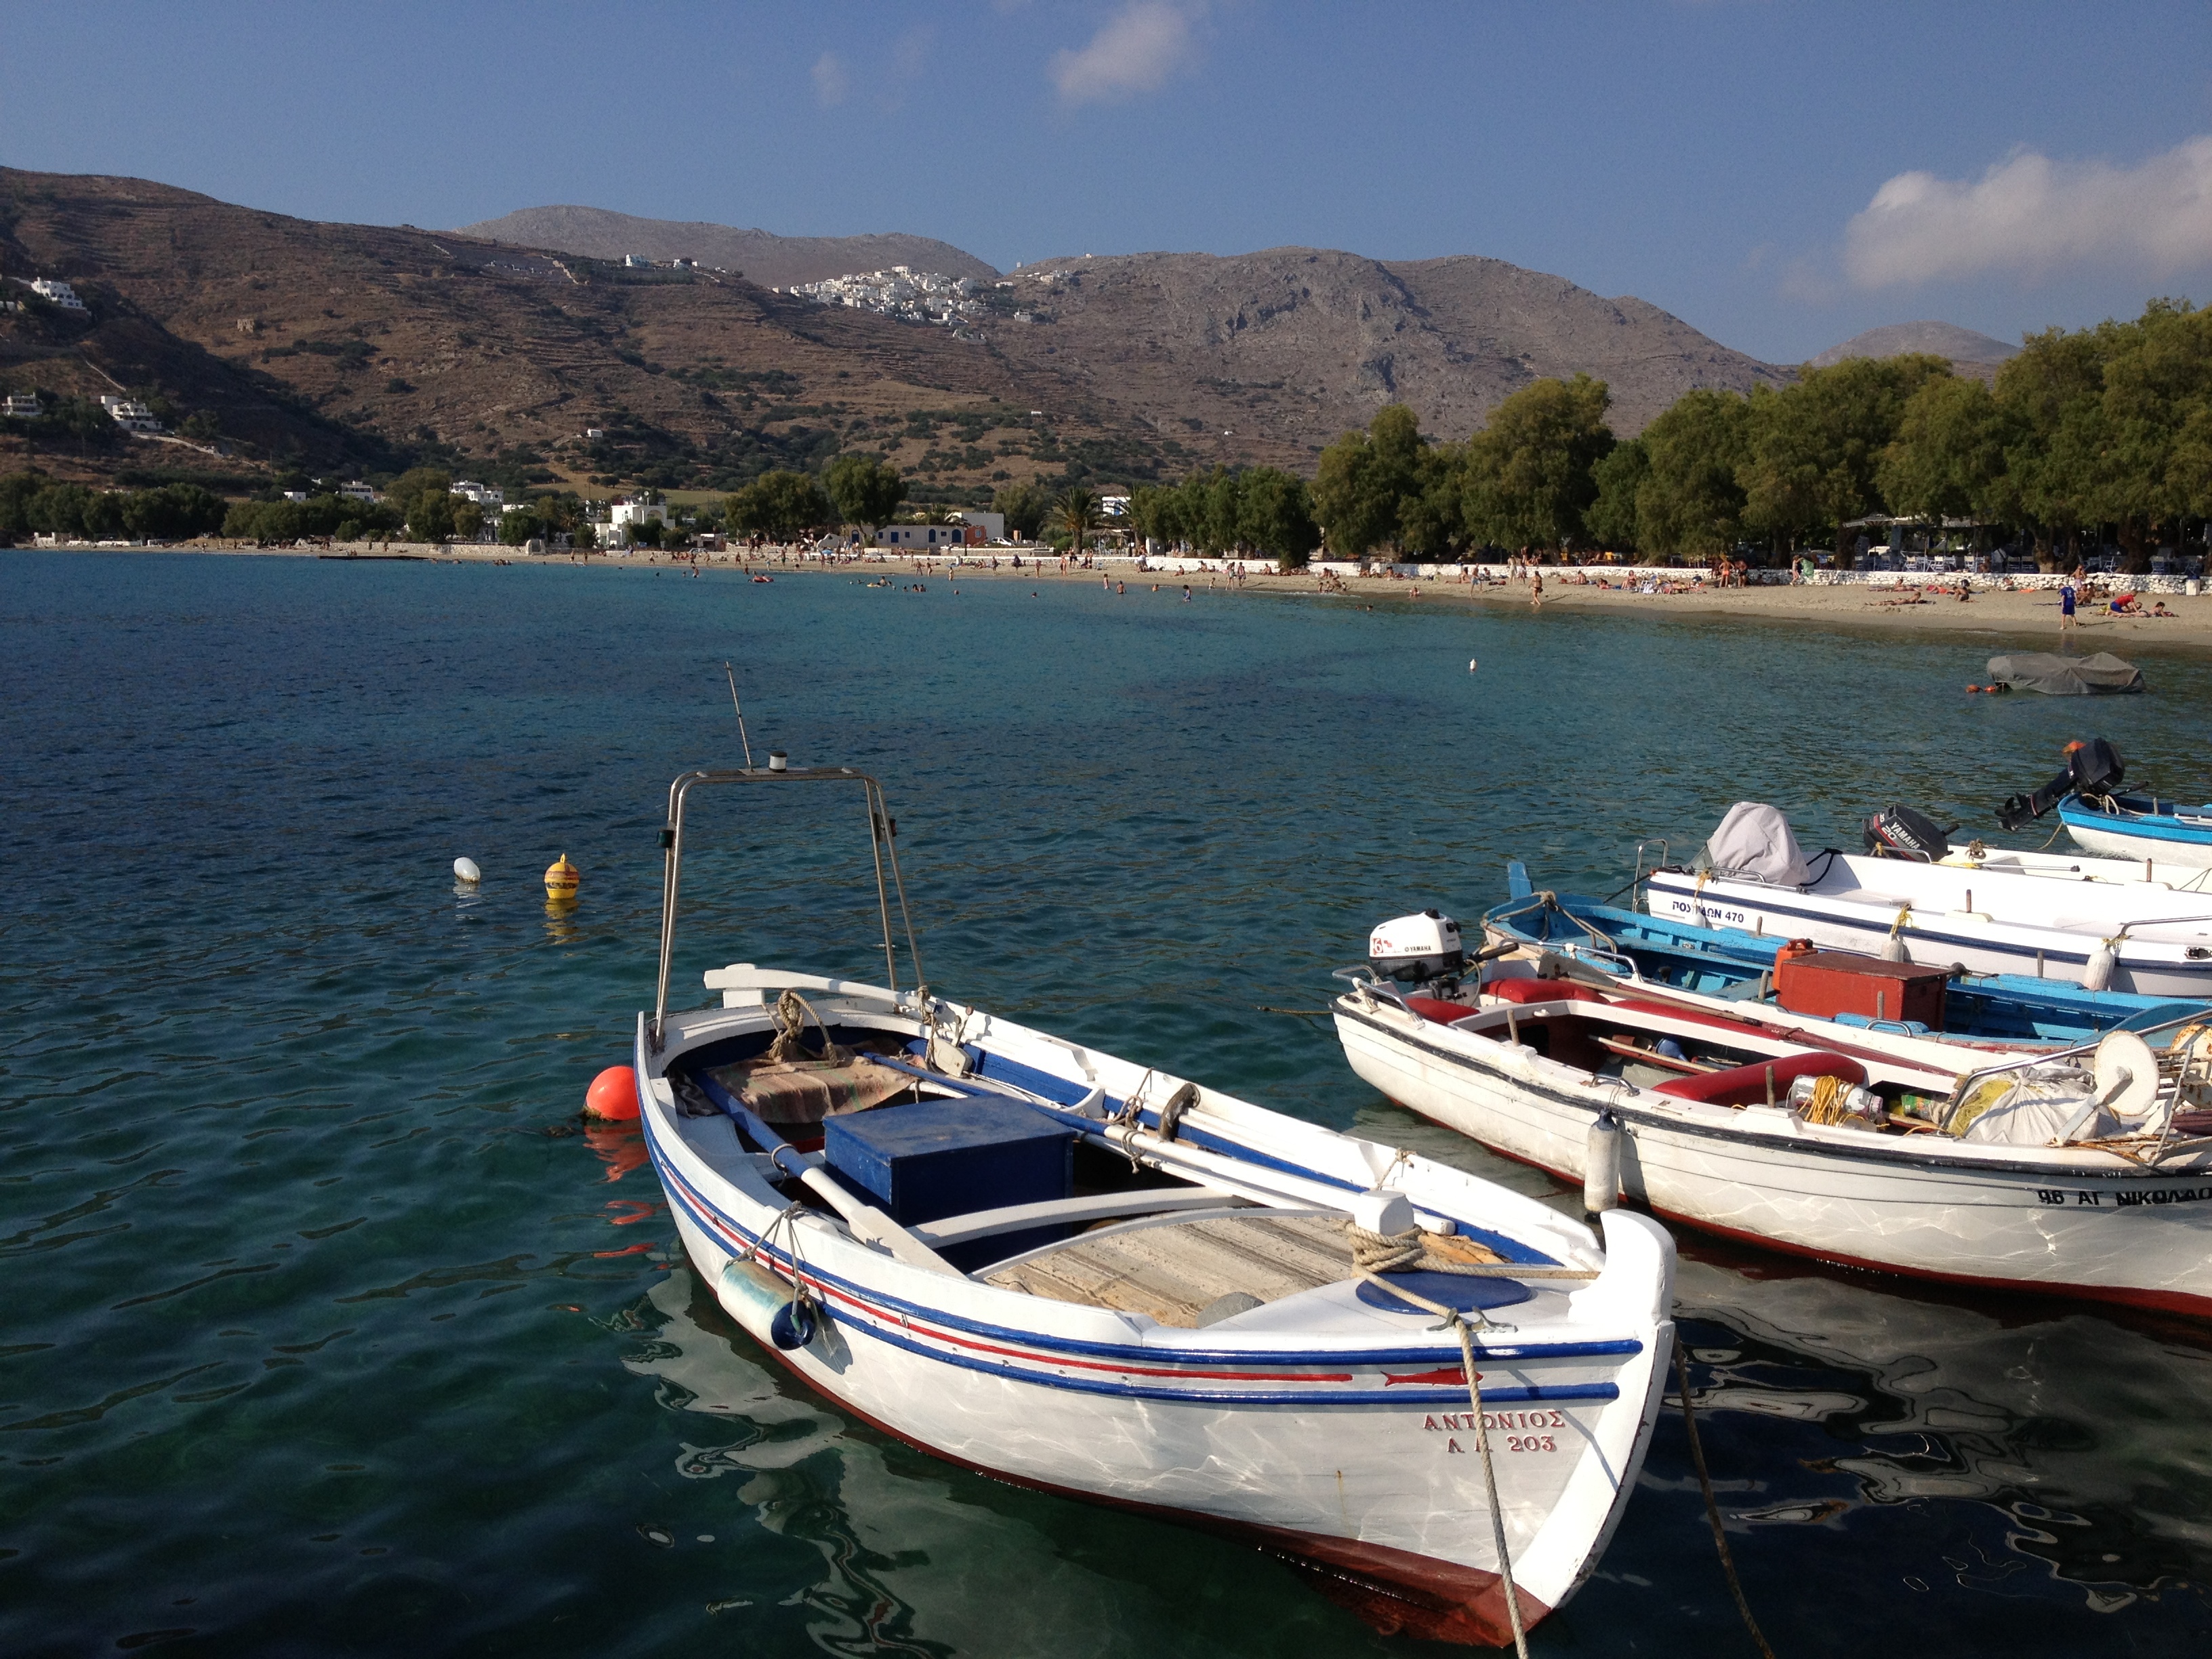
[(1079, 1274), (2084, 1171), (2106, 925), (2142, 829)]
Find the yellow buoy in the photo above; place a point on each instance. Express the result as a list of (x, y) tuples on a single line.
[(561, 879)]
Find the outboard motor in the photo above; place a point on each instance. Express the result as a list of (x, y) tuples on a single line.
[(1898, 832), (2093, 768), (1416, 950)]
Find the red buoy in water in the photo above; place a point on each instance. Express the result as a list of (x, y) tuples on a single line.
[(613, 1096)]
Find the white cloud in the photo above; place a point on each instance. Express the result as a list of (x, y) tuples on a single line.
[(1135, 51), (831, 83), (2028, 215), (910, 56)]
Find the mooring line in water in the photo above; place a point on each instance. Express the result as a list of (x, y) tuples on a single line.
[(1455, 1321), (1712, 1510), (1301, 1014)]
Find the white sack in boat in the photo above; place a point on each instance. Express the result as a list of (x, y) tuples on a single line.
[(1755, 843), (2034, 1109)]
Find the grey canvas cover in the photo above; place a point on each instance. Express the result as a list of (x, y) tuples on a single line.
[(1755, 843), (2065, 676)]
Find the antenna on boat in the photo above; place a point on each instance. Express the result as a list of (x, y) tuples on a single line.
[(731, 675)]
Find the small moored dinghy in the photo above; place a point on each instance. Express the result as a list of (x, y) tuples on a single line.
[(1083, 1275), (2102, 820)]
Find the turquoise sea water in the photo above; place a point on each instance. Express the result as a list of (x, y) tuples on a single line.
[(325, 1331)]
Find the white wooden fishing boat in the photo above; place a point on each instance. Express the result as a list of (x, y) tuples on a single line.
[(1075, 1272), (2084, 1171), (2098, 923)]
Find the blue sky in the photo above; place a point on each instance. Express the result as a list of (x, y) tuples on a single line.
[(1781, 176)]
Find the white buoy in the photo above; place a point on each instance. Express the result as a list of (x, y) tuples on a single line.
[(2096, 973), (466, 870), (1602, 1165), (1470, 665)]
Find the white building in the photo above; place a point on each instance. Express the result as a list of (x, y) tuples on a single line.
[(1114, 507), (927, 536), (992, 524), (355, 489), (636, 261), (487, 496), (622, 514), (60, 294), (129, 414), (21, 406)]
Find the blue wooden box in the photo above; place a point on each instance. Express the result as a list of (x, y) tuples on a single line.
[(943, 1158)]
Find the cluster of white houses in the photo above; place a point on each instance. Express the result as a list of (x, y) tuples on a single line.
[(921, 296)]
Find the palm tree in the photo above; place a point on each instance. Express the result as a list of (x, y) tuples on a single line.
[(1077, 514)]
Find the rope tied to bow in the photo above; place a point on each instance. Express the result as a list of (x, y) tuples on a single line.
[(1453, 1322), (793, 1011)]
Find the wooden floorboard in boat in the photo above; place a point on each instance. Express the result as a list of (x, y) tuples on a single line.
[(1173, 1271)]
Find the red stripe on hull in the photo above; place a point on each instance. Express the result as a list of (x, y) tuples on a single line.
[(1394, 1591), (2179, 1301)]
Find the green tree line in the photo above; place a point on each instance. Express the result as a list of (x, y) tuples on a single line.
[(2084, 433), (1255, 512), (31, 503)]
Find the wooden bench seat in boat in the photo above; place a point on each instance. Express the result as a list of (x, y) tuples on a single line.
[(1173, 1268)]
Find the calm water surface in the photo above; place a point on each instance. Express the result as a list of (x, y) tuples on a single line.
[(327, 1332)]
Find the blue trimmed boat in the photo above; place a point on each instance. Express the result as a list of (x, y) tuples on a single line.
[(1738, 965), (1080, 1274), (2138, 827)]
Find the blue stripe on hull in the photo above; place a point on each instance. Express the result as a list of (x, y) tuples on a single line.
[(711, 1221), (2202, 976), (2159, 826)]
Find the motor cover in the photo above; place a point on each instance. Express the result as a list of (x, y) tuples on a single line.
[(2093, 766), (1415, 949), (1898, 832)]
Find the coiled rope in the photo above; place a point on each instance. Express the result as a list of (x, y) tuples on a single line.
[(1398, 1253), (1827, 1105), (793, 1011)]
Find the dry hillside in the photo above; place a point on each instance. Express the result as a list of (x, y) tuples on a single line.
[(354, 346), (1288, 347), (770, 260), (359, 348)]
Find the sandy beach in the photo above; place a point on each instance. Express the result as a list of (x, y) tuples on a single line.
[(2009, 619)]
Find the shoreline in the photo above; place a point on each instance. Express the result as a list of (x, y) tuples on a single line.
[(2017, 620)]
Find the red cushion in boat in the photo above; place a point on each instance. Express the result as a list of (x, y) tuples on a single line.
[(1746, 1085), (1543, 990), (1436, 1009)]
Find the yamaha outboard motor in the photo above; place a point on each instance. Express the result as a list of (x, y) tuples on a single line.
[(2094, 768), (1898, 832), (1416, 950)]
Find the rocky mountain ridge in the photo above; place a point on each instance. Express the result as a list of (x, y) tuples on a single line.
[(772, 261), (339, 347)]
